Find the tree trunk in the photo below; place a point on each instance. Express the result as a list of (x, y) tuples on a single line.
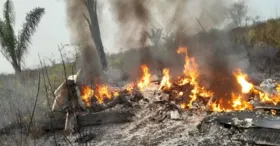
[(16, 67), (95, 31)]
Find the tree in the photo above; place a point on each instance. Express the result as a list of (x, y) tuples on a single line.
[(238, 13), (13, 47), (155, 36), (91, 6)]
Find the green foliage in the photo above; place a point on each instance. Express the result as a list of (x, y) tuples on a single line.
[(258, 34), (267, 32), (15, 47), (251, 35)]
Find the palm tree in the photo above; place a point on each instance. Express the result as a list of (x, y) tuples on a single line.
[(93, 23), (13, 47)]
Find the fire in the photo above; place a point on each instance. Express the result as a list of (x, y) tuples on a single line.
[(116, 94), (239, 103), (183, 105), (273, 112), (190, 68), (145, 79), (241, 79), (87, 93), (165, 82), (269, 98), (204, 93), (191, 75), (102, 93), (129, 87), (278, 87), (247, 87), (238, 100), (217, 106)]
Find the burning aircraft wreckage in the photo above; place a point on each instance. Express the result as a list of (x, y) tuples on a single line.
[(171, 110)]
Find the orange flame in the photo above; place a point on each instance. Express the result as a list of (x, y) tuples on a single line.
[(217, 106), (165, 82), (190, 76), (87, 94), (241, 79), (145, 79), (239, 103), (129, 87), (278, 87), (116, 94), (102, 93), (183, 105), (273, 112)]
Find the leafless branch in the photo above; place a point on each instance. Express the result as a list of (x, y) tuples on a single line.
[(35, 104), (48, 78), (200, 25), (55, 121), (86, 19)]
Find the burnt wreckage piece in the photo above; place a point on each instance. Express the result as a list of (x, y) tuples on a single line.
[(246, 126)]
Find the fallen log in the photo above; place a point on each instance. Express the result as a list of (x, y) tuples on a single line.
[(57, 121), (86, 119), (268, 107)]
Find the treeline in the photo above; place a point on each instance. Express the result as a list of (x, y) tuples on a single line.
[(259, 34)]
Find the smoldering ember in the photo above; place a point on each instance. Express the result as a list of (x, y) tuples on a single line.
[(191, 72)]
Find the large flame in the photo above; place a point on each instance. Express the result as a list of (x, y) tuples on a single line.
[(86, 94), (145, 79), (191, 74), (190, 79), (237, 102), (165, 82), (241, 79), (101, 93)]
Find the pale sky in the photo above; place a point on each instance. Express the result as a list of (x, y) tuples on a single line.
[(53, 28)]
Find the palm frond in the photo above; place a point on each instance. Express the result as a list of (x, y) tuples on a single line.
[(9, 13), (9, 20), (29, 27), (2, 34), (6, 48), (3, 48)]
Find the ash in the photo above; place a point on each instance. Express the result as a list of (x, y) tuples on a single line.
[(152, 125), (156, 122)]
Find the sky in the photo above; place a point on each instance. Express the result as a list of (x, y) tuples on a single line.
[(53, 29)]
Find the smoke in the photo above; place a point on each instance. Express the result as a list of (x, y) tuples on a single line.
[(192, 23), (133, 17), (186, 19), (183, 18), (89, 61), (178, 16)]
